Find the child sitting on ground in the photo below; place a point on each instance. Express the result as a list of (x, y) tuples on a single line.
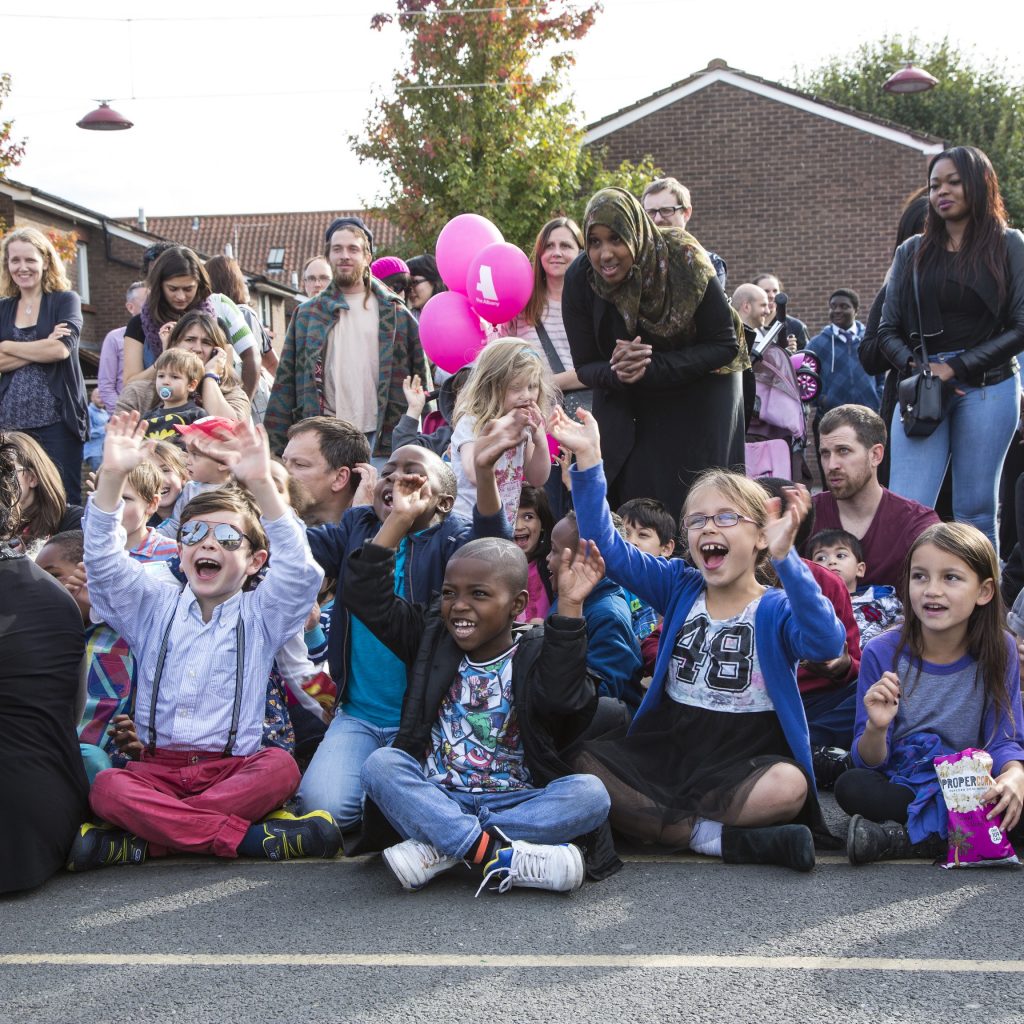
[(507, 375), (109, 666), (370, 678), (474, 774), (205, 474), (178, 375), (141, 497), (202, 783), (648, 526), (875, 608), (532, 536), (613, 651), (170, 460)]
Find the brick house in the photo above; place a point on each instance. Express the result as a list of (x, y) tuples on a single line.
[(779, 180)]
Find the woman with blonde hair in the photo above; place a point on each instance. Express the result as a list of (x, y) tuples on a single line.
[(42, 392)]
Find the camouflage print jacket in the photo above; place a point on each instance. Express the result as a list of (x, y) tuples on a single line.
[(299, 384)]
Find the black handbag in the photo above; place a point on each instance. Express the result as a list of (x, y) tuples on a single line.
[(922, 394), (581, 398)]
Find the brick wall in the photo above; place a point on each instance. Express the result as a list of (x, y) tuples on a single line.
[(781, 189)]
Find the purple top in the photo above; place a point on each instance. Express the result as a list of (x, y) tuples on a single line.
[(110, 377)]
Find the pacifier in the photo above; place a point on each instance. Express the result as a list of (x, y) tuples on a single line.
[(165, 392)]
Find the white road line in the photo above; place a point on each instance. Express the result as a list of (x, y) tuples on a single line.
[(167, 904), (504, 961)]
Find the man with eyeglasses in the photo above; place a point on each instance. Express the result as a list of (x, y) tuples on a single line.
[(667, 203)]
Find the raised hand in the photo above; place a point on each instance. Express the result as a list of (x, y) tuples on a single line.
[(410, 496), (882, 701), (367, 483), (244, 449), (125, 445), (782, 527), (581, 436), (415, 396), (578, 573), (499, 436)]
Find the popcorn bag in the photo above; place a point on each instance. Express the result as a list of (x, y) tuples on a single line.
[(974, 842)]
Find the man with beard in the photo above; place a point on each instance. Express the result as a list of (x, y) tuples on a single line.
[(852, 443), (348, 349)]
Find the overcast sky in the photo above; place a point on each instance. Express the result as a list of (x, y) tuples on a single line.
[(248, 109)]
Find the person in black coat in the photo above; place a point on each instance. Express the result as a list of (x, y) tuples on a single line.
[(652, 333), (43, 799)]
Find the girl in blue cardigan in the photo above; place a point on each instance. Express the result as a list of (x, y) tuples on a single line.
[(717, 758)]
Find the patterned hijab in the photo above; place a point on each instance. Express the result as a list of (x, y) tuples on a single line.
[(670, 269)]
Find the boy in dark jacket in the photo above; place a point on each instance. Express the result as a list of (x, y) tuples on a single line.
[(474, 773), (370, 679)]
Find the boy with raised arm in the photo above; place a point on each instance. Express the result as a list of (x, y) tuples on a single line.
[(202, 783), (475, 773)]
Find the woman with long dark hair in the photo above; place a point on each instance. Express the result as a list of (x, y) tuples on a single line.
[(969, 307), (43, 797)]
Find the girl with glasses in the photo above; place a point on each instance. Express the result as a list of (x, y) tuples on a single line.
[(718, 757)]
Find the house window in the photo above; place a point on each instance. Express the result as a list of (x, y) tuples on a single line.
[(82, 272), (275, 259), (265, 311)]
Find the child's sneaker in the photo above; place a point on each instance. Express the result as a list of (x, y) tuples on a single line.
[(286, 836), (100, 846), (531, 866), (414, 863)]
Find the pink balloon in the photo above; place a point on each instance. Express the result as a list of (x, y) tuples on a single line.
[(499, 282), (460, 240), (553, 448), (450, 332)]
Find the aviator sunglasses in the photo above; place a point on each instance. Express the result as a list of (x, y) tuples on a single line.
[(195, 530)]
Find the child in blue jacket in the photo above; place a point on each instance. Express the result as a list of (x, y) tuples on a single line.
[(718, 757)]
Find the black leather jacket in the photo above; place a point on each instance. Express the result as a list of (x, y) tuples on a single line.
[(898, 332)]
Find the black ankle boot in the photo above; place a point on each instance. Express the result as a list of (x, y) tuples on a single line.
[(791, 846), (867, 841)]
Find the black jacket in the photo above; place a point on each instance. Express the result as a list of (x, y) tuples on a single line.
[(554, 697), (899, 333)]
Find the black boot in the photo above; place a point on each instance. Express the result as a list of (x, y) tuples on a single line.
[(867, 841), (791, 846)]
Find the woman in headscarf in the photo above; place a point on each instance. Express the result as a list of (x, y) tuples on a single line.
[(651, 331)]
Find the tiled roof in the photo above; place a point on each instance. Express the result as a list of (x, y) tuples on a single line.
[(253, 235)]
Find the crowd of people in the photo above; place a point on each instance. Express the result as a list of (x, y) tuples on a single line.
[(331, 598)]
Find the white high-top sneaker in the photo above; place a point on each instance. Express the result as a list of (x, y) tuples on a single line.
[(414, 863), (532, 866)]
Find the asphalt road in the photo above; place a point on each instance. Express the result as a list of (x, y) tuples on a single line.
[(667, 939)]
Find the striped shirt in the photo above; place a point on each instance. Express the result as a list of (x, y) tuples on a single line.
[(197, 690), (551, 318), (155, 548)]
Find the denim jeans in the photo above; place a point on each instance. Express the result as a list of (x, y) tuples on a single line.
[(331, 782), (65, 449), (451, 821), (976, 434)]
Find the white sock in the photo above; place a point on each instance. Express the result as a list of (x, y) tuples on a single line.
[(706, 837)]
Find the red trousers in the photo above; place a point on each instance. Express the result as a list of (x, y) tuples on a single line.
[(194, 802)]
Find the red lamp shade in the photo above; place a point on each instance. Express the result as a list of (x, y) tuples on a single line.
[(103, 119), (910, 79)]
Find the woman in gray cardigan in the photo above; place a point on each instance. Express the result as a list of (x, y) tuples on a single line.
[(42, 392)]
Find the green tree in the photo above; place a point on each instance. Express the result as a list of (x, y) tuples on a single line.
[(11, 152), (977, 101), (478, 121)]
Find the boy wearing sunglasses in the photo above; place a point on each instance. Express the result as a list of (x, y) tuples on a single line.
[(201, 783)]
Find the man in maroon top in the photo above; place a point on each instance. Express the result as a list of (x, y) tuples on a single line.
[(852, 444)]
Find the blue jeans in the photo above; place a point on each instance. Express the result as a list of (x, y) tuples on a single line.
[(830, 716), (976, 434), (451, 821), (331, 782), (65, 449)]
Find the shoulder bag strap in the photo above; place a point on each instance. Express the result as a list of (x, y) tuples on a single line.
[(549, 349), (925, 367)]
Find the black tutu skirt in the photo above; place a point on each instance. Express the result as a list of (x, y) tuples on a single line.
[(681, 762)]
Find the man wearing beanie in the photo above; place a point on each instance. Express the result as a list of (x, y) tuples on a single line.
[(348, 349)]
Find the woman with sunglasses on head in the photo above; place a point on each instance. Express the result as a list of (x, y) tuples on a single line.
[(652, 333), (41, 388), (43, 797), (960, 284)]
